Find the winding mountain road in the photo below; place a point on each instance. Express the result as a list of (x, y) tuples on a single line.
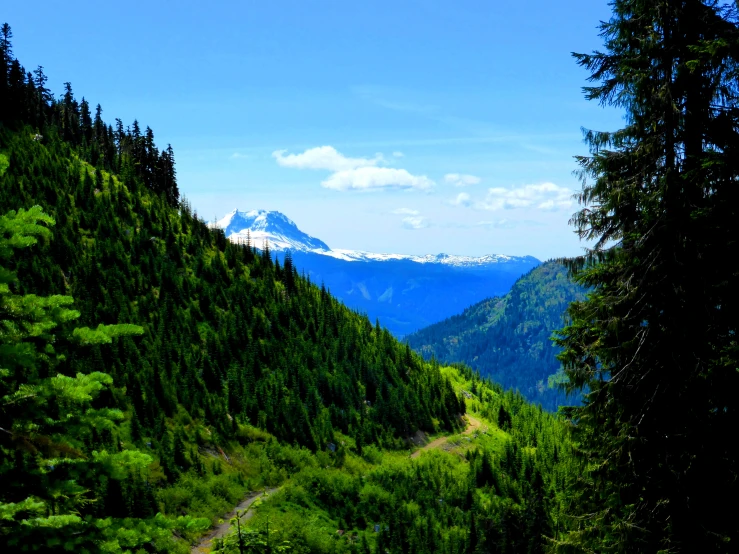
[(222, 529), (472, 426)]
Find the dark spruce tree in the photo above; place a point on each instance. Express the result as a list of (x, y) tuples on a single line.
[(25, 101), (655, 342)]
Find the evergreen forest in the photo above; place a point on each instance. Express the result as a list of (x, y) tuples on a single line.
[(153, 374)]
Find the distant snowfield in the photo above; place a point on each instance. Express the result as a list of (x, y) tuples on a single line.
[(446, 259), (260, 227)]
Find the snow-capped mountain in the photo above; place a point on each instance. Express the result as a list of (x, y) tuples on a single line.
[(404, 292), (444, 259), (277, 229), (281, 233)]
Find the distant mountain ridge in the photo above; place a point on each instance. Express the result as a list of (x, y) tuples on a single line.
[(281, 233), (404, 292), (507, 338)]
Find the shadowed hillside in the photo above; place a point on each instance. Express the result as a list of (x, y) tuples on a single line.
[(508, 338)]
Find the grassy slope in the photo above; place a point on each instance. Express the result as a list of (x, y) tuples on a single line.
[(389, 489)]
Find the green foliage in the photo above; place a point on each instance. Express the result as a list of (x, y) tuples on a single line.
[(241, 540), (104, 334), (508, 339), (232, 347), (22, 229), (48, 471), (232, 373), (655, 341), (492, 491), (216, 317)]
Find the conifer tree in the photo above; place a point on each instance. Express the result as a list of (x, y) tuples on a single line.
[(5, 35), (654, 345), (45, 415)]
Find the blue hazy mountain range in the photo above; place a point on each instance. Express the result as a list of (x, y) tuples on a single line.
[(404, 292)]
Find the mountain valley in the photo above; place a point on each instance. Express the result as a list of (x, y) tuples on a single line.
[(153, 373), (508, 338), (405, 292)]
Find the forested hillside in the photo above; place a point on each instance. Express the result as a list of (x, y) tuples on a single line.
[(151, 372), (230, 338), (227, 332), (508, 339), (501, 488)]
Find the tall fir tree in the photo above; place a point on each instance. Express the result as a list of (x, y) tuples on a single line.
[(654, 345)]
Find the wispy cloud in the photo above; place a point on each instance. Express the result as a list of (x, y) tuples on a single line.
[(544, 196), (488, 224), (352, 173), (463, 199), (496, 224), (538, 149), (393, 98), (376, 178), (460, 180), (405, 211), (491, 138), (323, 157), (239, 156), (415, 222), (398, 154)]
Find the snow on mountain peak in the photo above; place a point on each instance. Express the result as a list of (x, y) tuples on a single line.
[(443, 259), (281, 233), (259, 226)]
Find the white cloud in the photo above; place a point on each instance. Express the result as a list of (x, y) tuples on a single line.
[(496, 224), (353, 173), (238, 156), (405, 211), (376, 178), (323, 157), (460, 180), (489, 224), (397, 154), (415, 222), (545, 196), (414, 219), (462, 199)]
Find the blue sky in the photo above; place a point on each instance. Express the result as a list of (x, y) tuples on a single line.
[(412, 127)]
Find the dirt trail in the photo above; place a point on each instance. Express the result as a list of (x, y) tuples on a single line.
[(222, 529), (472, 426)]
